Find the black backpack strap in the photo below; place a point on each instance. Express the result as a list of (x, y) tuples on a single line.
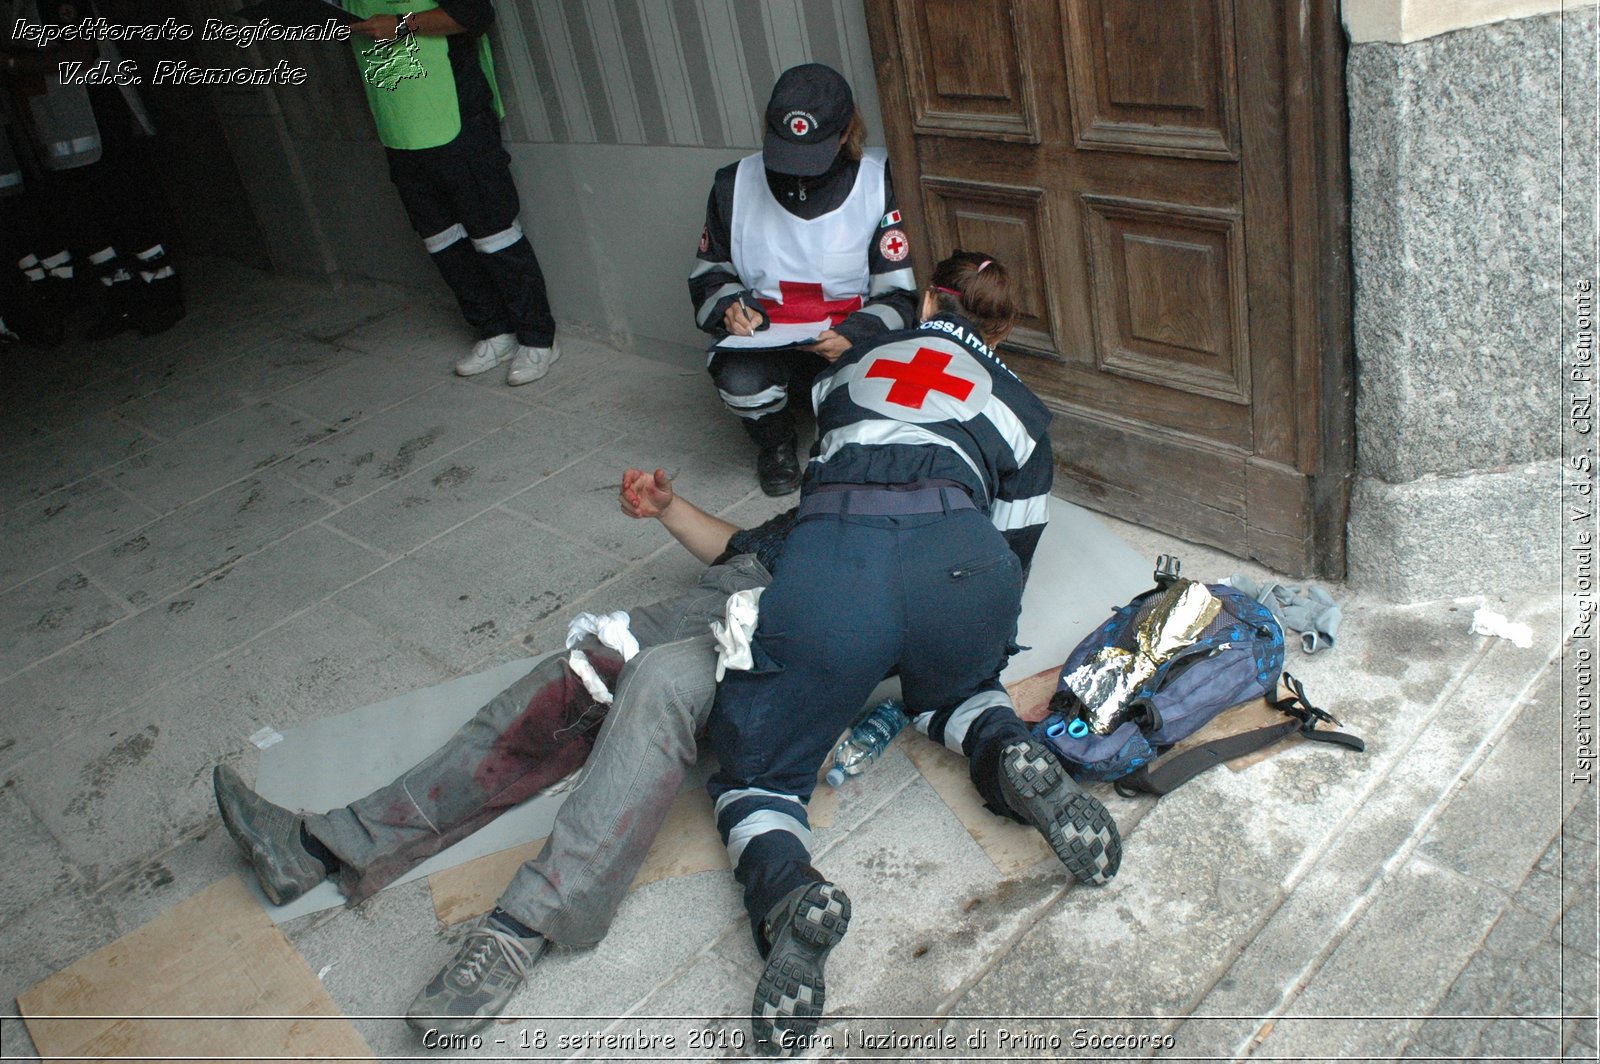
[(1297, 705), (1174, 773)]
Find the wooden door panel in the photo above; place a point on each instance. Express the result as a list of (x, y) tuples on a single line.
[(1154, 77), (1166, 178), (969, 74), (1136, 405), (1011, 223), (1102, 465), (1169, 295)]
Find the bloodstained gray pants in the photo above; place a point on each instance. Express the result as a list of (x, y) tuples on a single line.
[(536, 732)]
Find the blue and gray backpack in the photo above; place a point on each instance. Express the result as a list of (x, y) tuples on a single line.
[(1236, 657)]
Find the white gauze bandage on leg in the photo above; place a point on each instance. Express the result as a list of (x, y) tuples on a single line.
[(612, 630)]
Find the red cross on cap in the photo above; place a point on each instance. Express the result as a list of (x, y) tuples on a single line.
[(923, 374)]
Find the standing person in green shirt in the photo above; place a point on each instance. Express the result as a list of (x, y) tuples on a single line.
[(431, 86)]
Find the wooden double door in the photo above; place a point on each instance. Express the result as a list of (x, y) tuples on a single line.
[(1167, 179)]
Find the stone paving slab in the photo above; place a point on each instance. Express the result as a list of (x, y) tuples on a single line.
[(216, 454), (385, 447), (63, 525), (53, 462), (50, 613), (229, 384), (495, 575), (355, 389), (36, 866), (449, 491), (1423, 927), (202, 538), (1501, 820), (99, 795), (51, 703)]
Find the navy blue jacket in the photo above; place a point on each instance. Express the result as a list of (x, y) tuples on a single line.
[(935, 403)]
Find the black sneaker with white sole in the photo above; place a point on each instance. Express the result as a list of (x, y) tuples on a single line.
[(802, 929), (1079, 829)]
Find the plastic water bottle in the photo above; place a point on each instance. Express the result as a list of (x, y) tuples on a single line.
[(867, 740)]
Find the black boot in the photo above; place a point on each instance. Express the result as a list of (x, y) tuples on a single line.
[(800, 931), (1079, 829), (120, 296), (158, 304), (776, 463)]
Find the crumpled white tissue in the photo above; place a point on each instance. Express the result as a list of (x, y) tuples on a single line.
[(733, 634), (1488, 622)]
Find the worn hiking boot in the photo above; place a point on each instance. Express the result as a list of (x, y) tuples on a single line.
[(1079, 829), (474, 988), (801, 928), (269, 835)]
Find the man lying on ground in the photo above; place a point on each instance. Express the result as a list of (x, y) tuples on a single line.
[(531, 735), (638, 751)]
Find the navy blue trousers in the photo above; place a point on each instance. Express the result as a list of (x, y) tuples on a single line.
[(932, 596)]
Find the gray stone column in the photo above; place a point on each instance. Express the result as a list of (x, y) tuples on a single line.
[(1458, 229)]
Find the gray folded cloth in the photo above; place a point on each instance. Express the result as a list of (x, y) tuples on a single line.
[(1308, 610)]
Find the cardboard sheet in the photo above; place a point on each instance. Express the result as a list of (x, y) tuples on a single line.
[(1247, 717), (1011, 846), (688, 843), (214, 956), (1031, 694)]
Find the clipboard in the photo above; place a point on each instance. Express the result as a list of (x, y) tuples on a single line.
[(776, 337)]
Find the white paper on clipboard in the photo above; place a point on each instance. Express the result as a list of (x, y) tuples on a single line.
[(777, 336)]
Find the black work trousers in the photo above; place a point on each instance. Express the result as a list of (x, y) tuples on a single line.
[(463, 203)]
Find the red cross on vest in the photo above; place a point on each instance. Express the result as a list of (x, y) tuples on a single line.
[(894, 246), (804, 302), (923, 374)]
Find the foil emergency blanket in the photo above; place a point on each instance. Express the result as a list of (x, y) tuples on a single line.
[(1106, 682)]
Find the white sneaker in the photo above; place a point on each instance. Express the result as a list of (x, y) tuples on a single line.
[(531, 363), (487, 354)]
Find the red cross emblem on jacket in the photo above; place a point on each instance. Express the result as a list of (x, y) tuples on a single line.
[(923, 374)]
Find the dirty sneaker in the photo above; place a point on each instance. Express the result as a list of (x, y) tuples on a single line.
[(531, 363), (801, 928), (487, 354), (476, 985), (269, 835), (1079, 829)]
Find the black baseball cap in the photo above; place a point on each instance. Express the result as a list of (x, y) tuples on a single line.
[(810, 106)]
